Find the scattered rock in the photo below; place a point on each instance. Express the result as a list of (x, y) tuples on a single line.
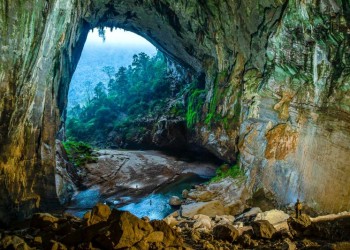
[(225, 232), (224, 219), (43, 220), (13, 242), (211, 208), (199, 195), (309, 244), (283, 234), (171, 221), (156, 236), (171, 238), (175, 201), (287, 244), (298, 226), (202, 221), (239, 224), (208, 246), (126, 229), (250, 213), (38, 240), (195, 236), (273, 216), (246, 241), (332, 230), (146, 219), (57, 245), (340, 246), (99, 213), (263, 229), (185, 193)]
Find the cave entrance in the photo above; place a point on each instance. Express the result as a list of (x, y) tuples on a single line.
[(127, 110)]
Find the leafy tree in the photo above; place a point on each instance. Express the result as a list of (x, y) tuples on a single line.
[(88, 91), (120, 84), (109, 71), (100, 91), (143, 89)]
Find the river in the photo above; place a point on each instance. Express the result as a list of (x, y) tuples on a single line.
[(143, 184)]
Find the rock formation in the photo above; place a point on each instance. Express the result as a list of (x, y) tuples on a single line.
[(276, 86)]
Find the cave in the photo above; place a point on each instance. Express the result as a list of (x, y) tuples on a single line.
[(126, 119), (276, 84)]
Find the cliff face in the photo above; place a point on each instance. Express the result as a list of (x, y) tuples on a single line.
[(277, 88)]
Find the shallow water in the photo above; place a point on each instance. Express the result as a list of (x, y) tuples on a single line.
[(154, 206)]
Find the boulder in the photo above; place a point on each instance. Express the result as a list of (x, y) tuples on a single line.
[(126, 229), (263, 229), (57, 245), (185, 193), (171, 221), (250, 213), (246, 241), (199, 195), (156, 236), (43, 220), (202, 221), (298, 226), (224, 219), (175, 201), (333, 230), (273, 216), (171, 237), (287, 244), (340, 246), (84, 234), (13, 242), (225, 232), (211, 208), (99, 213), (146, 218)]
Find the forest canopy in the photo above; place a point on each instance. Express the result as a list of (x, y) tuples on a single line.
[(142, 90)]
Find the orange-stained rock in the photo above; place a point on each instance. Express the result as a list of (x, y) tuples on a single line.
[(281, 140)]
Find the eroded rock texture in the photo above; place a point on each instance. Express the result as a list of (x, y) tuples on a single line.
[(277, 88)]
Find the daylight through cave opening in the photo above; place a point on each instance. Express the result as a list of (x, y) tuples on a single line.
[(126, 98)]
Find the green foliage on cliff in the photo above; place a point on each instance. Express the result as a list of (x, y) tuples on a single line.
[(225, 171), (194, 107), (79, 153)]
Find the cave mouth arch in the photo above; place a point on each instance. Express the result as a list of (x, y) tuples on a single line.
[(133, 103), (53, 51)]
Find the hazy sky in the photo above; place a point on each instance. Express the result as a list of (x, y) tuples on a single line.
[(118, 37)]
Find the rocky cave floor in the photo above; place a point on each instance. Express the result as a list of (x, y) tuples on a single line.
[(219, 215), (103, 228)]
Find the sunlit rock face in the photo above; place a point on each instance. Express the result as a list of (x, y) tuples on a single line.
[(277, 88)]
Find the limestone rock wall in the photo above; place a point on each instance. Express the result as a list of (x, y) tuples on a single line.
[(295, 131), (37, 40), (277, 87)]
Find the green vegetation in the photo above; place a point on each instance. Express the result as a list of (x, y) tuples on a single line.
[(79, 153), (225, 171), (132, 96), (194, 107)]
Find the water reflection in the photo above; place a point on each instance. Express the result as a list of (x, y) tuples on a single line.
[(154, 206)]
